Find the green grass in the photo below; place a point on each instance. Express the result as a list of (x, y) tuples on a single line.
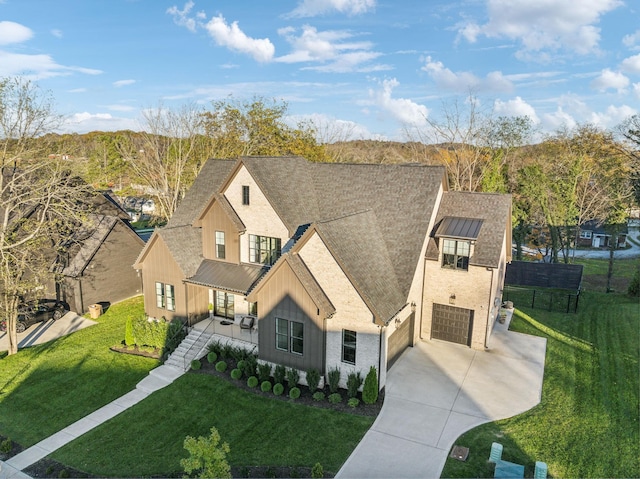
[(147, 439), (587, 422), (47, 387), (594, 276)]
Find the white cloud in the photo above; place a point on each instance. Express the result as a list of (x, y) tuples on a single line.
[(558, 119), (311, 8), (612, 116), (402, 109), (181, 17), (631, 65), (57, 33), (631, 40), (609, 79), (120, 107), (85, 122), (463, 82), (330, 129), (516, 107), (121, 83), (230, 36), (544, 24), (12, 32), (636, 90), (37, 66), (334, 48)]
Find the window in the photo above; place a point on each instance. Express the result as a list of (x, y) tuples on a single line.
[(253, 309), (586, 234), (455, 254), (220, 252), (263, 249), (348, 346), (224, 305), (245, 195), (289, 336), (165, 296)]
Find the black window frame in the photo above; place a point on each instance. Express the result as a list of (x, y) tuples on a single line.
[(227, 308), (456, 258), (245, 195), (293, 336), (264, 249), (349, 347)]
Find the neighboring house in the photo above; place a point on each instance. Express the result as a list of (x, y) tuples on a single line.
[(595, 234), (95, 266), (341, 265)]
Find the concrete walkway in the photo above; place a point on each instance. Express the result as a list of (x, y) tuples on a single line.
[(158, 378), (437, 391)]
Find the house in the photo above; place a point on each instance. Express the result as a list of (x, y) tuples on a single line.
[(340, 265), (95, 264), (595, 234)]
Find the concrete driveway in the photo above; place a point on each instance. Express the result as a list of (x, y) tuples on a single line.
[(47, 330), (437, 391)]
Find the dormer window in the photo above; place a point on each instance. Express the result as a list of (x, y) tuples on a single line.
[(456, 235), (245, 195)]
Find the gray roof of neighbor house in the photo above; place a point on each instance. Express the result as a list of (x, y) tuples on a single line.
[(600, 227), (493, 214)]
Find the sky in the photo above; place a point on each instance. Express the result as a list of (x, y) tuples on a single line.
[(360, 69)]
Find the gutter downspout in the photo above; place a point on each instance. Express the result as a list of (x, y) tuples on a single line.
[(486, 332), (424, 275), (380, 358)]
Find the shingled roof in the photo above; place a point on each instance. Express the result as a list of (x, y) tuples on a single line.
[(494, 210)]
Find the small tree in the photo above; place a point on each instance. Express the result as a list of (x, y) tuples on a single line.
[(354, 381), (370, 388), (207, 457)]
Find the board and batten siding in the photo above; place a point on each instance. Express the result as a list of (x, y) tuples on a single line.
[(159, 266), (109, 277), (283, 296), (351, 313), (215, 219), (259, 216)]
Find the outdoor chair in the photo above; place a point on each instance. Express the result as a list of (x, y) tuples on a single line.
[(247, 322), (540, 470), (496, 452)]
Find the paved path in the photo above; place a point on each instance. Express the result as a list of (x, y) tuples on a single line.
[(157, 379), (47, 330), (437, 391)]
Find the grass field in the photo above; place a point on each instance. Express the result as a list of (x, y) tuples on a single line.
[(47, 387), (594, 276), (587, 422)]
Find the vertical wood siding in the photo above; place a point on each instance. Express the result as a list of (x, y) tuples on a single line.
[(214, 220)]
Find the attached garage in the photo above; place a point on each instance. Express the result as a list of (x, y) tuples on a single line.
[(452, 324), (400, 340)]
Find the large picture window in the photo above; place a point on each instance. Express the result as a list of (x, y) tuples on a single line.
[(455, 254), (220, 248), (224, 306), (348, 346), (165, 296), (264, 249), (289, 336)]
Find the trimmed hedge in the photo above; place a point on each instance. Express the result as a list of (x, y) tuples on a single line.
[(265, 386), (294, 393), (318, 396), (353, 402), (195, 364), (236, 373), (212, 357), (335, 398), (252, 382), (221, 366), (278, 389)]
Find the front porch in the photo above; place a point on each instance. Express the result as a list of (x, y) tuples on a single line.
[(230, 331)]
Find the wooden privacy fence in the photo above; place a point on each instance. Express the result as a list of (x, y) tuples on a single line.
[(563, 301)]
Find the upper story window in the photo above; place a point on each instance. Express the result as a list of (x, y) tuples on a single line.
[(264, 249), (245, 195), (455, 254), (220, 248)]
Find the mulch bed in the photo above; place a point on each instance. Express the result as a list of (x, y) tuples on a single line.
[(48, 468)]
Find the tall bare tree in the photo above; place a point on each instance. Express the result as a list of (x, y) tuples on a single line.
[(39, 198)]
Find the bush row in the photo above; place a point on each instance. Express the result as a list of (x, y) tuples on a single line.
[(154, 333)]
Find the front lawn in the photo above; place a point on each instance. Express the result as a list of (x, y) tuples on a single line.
[(147, 440), (45, 388), (587, 423)]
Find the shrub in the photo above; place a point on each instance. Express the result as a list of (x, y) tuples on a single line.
[(196, 364), (316, 471), (207, 456), (226, 351), (129, 338), (265, 386), (313, 379), (212, 357), (278, 389), (252, 382), (214, 347), (264, 372), (318, 396), (221, 366), (150, 332), (250, 364), (279, 373), (353, 402), (63, 474), (293, 376), (335, 398), (236, 373), (6, 446), (354, 381), (241, 364), (634, 286), (370, 388), (238, 354), (294, 393), (334, 380), (176, 333)]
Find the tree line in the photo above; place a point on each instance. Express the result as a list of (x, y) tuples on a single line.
[(557, 181)]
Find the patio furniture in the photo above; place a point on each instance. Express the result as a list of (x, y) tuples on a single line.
[(540, 470), (496, 452), (247, 322), (504, 469)]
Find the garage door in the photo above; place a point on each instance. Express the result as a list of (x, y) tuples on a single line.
[(452, 324), (399, 341)]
